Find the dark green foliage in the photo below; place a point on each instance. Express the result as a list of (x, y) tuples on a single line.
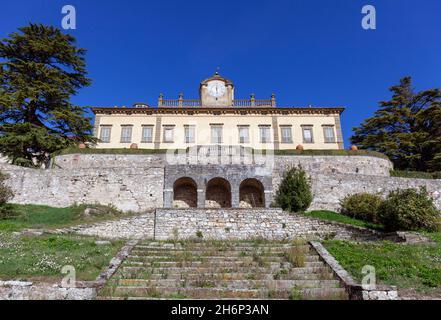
[(294, 194), (407, 128), (6, 194), (416, 174), (40, 69), (409, 209), (362, 206)]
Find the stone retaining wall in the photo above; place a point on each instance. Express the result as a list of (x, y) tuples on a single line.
[(227, 224), (246, 224), (364, 165), (138, 227), (329, 189), (129, 189), (141, 182)]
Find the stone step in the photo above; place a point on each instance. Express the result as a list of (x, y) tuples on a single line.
[(220, 249), (209, 253), (221, 270), (219, 293), (135, 257), (214, 264), (230, 284), (183, 270), (287, 275)]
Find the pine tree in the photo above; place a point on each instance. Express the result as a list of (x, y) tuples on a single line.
[(406, 128), (40, 69)]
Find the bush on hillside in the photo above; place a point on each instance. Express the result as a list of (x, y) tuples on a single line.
[(362, 206), (6, 194), (294, 194), (409, 209)]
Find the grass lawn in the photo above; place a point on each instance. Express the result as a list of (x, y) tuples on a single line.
[(337, 217), (44, 257), (414, 269), (36, 216)]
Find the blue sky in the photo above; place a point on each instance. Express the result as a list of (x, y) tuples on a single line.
[(306, 51)]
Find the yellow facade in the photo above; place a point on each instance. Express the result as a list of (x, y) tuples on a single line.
[(230, 130), (263, 125)]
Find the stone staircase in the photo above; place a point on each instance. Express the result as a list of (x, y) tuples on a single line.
[(222, 270)]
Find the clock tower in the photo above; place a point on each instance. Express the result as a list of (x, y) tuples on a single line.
[(216, 91)]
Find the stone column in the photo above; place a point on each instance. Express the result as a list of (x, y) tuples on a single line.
[(235, 200), (268, 198), (201, 198), (168, 198)]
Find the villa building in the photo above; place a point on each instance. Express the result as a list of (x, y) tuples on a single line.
[(217, 118)]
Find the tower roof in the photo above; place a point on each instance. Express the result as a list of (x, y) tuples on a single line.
[(217, 76)]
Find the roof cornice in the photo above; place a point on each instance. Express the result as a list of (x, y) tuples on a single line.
[(217, 111)]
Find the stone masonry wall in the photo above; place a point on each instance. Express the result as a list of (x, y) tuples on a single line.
[(243, 224), (224, 224), (85, 161), (328, 189), (129, 189), (363, 165), (142, 182)]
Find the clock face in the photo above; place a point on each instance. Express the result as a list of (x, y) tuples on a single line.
[(216, 89)]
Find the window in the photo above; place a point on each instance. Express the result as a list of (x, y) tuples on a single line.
[(328, 132), (105, 134), (265, 134), (189, 134), (126, 134), (216, 134), (244, 134), (286, 134), (168, 134), (307, 134), (147, 134)]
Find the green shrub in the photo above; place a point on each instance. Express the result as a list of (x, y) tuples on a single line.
[(294, 193), (409, 209), (6, 194), (362, 206)]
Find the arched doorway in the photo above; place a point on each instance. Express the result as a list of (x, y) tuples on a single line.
[(185, 193), (251, 194), (218, 194)]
